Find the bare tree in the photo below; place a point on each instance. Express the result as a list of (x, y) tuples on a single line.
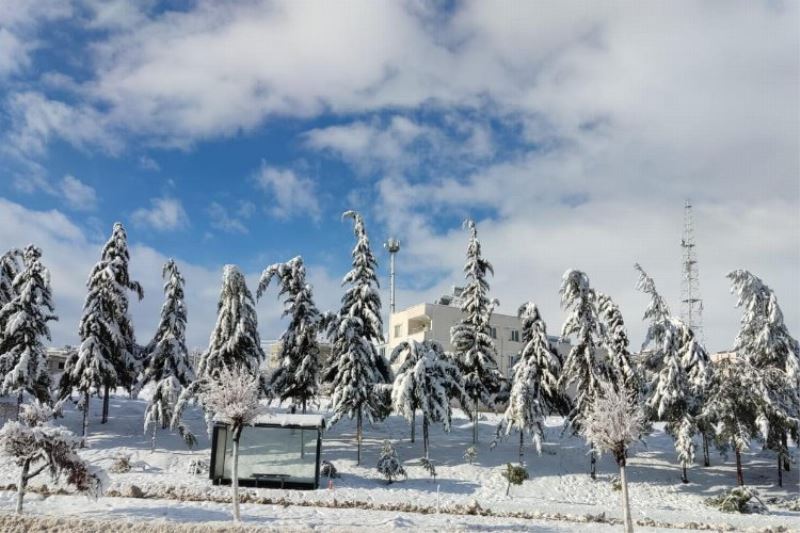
[(615, 420), (232, 398), (36, 446)]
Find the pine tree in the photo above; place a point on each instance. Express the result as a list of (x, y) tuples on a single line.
[(582, 369), (426, 380), (234, 342), (9, 268), (732, 406), (534, 381), (765, 343), (618, 367), (297, 377), (356, 370), (472, 342), (680, 373), (23, 357), (108, 354), (167, 359)]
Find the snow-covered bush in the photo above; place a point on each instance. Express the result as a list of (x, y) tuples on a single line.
[(36, 446), (198, 466), (328, 470), (738, 500), (515, 475), (614, 421), (429, 467), (121, 464), (389, 464), (471, 454)]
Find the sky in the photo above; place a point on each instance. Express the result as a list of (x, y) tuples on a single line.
[(571, 132)]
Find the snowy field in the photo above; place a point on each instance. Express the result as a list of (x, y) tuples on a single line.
[(560, 492)]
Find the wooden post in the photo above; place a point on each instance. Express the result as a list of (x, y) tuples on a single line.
[(23, 481), (626, 503), (237, 432)]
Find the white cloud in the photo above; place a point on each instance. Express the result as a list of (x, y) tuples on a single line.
[(78, 195), (290, 195), (69, 254), (222, 220), (148, 163), (164, 214), (20, 23)]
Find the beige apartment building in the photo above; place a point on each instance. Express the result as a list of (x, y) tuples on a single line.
[(426, 321)]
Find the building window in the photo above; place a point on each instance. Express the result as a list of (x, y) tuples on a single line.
[(61, 365), (493, 332), (398, 330), (515, 335)]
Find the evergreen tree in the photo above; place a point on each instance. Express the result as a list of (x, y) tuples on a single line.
[(680, 373), (534, 381), (23, 357), (234, 343), (765, 343), (355, 368), (426, 380), (471, 338), (107, 356), (582, 369), (9, 268), (297, 377), (732, 405), (618, 367), (167, 359)]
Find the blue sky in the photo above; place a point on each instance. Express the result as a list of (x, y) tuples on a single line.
[(224, 132)]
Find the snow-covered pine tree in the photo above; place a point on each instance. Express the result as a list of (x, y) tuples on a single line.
[(107, 356), (356, 369), (472, 341), (297, 377), (23, 357), (679, 374), (166, 357), (426, 380), (389, 464), (615, 420), (36, 446), (9, 268), (732, 406), (764, 341), (618, 367), (582, 368), (234, 342), (534, 381)]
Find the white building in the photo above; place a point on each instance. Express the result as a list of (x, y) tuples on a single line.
[(426, 321)]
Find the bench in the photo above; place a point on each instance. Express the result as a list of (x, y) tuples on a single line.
[(272, 477)]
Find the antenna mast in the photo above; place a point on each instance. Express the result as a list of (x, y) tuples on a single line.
[(691, 300), (392, 246)]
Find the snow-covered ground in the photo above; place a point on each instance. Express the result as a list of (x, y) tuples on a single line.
[(559, 485)]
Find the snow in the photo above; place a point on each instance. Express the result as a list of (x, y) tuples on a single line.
[(269, 416), (559, 482)]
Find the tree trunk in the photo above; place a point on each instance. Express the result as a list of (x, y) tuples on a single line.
[(508, 487), (235, 477), (684, 477), (21, 484), (304, 406), (85, 419), (785, 447), (19, 403), (413, 425), (739, 473), (104, 419), (425, 439), (780, 468), (592, 462), (521, 448), (626, 503), (706, 457), (153, 441), (358, 437), (475, 425)]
